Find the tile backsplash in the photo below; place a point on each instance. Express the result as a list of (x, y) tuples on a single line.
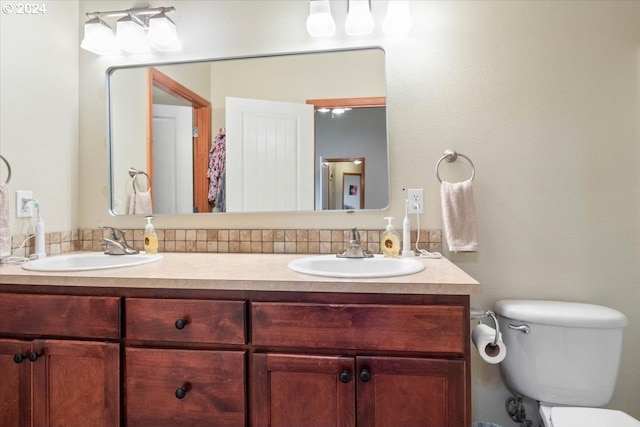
[(293, 241)]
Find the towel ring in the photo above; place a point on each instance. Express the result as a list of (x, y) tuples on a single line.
[(6, 162), (451, 156), (133, 173)]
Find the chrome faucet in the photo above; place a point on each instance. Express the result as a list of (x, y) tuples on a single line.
[(117, 245), (354, 250)]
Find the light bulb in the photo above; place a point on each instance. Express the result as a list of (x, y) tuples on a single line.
[(359, 19), (98, 37), (320, 22), (131, 36), (162, 33)]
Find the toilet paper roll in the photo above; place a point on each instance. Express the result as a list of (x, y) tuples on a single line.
[(482, 337)]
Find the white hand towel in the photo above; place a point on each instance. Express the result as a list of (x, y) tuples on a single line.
[(459, 216), (140, 203), (5, 227)]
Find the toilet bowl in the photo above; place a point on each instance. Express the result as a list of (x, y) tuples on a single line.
[(566, 356)]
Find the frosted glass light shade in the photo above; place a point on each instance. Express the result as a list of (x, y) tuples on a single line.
[(398, 19), (359, 19), (162, 33), (131, 36), (98, 37), (320, 22)]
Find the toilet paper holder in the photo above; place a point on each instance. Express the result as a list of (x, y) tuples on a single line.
[(477, 313)]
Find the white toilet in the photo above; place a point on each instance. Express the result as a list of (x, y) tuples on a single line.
[(566, 356)]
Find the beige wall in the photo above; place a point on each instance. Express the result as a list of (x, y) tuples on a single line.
[(543, 96), (39, 110)]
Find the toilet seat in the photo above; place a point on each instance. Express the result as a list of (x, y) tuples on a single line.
[(585, 417)]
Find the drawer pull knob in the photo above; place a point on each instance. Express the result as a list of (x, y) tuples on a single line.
[(365, 375), (18, 358), (181, 323), (33, 356), (181, 392), (345, 377)]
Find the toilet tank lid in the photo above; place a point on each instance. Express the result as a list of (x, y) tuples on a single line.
[(561, 313)]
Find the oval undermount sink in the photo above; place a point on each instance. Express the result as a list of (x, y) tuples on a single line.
[(356, 268), (89, 261)]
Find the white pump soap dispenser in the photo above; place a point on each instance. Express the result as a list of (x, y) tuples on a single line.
[(390, 241)]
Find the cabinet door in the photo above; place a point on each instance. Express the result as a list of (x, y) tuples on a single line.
[(400, 391), (15, 391), (303, 390), (185, 387), (76, 382)]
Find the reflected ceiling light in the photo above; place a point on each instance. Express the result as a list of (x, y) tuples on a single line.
[(98, 37), (137, 30), (162, 33), (357, 162), (359, 18), (131, 35), (398, 19), (320, 22)]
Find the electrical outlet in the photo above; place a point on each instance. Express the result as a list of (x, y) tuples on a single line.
[(24, 208), (416, 200)]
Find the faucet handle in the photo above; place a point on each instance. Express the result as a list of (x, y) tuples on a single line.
[(355, 235), (116, 233)]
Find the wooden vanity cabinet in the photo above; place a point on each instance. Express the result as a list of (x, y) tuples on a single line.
[(392, 365), (198, 357), (57, 364)]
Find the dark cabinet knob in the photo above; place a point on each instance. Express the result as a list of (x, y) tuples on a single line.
[(365, 375), (18, 358), (180, 324), (345, 376), (182, 391), (34, 356)]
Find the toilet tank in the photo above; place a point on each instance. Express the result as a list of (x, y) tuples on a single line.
[(571, 354)]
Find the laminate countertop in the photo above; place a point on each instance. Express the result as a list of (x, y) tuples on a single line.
[(246, 272)]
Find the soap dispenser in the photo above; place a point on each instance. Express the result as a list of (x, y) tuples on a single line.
[(390, 241), (150, 237)]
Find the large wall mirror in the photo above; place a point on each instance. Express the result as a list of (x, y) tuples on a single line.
[(289, 132)]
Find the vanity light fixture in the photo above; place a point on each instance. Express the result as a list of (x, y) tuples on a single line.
[(359, 21), (137, 30), (320, 22), (398, 19), (359, 18)]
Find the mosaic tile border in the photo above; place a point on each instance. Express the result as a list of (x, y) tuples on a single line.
[(290, 241)]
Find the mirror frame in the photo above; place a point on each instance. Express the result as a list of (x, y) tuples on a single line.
[(156, 79)]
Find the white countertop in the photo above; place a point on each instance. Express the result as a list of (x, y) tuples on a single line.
[(247, 272)]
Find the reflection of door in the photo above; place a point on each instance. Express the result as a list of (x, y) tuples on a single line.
[(172, 159), (269, 156)]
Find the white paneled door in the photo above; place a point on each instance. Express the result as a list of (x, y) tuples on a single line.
[(270, 152), (172, 159)]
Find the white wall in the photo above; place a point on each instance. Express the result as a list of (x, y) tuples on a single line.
[(543, 96), (39, 110)]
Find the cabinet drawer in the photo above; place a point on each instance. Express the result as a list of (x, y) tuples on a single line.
[(212, 383), (415, 328), (60, 315), (178, 320)]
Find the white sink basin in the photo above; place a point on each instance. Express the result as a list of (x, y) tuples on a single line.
[(356, 268), (89, 261)]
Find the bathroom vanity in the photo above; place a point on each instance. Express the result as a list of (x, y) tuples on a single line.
[(234, 340)]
